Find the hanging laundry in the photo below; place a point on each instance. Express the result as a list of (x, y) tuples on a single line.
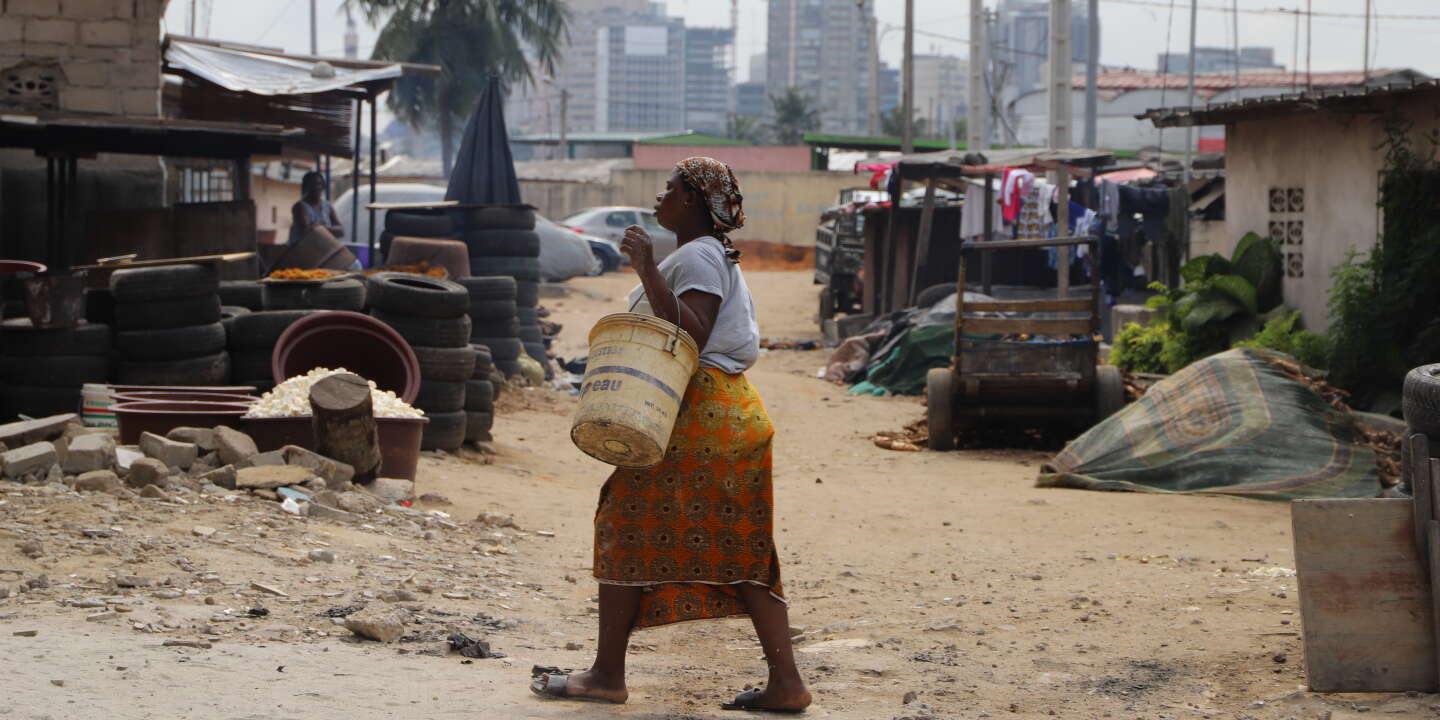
[(1109, 203), (972, 215), (1017, 184), (1028, 222)]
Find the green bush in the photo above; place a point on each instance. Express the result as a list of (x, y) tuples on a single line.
[(1280, 334)]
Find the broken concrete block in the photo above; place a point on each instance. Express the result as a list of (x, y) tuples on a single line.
[(98, 481), (147, 471), (386, 627), (223, 477), (174, 454), (391, 489), (27, 432), (350, 502), (88, 453), (272, 457), (335, 473), (268, 477), (125, 455), (22, 461), (233, 446), (203, 438)]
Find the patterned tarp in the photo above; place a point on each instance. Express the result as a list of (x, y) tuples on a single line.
[(1232, 424)]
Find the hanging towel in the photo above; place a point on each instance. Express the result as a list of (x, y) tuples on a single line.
[(1012, 193)]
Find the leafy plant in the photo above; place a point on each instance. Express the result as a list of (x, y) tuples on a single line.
[(1281, 334), (795, 115)]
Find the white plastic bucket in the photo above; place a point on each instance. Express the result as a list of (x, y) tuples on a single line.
[(95, 402)]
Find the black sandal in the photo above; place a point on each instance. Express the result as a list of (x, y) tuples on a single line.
[(750, 701)]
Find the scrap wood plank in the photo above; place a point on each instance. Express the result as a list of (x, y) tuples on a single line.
[(1416, 452), (1433, 546), (1365, 601)]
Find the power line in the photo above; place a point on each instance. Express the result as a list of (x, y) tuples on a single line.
[(1277, 11)]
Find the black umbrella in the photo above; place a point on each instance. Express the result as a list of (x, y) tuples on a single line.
[(484, 172)]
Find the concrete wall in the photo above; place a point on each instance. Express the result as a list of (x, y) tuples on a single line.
[(739, 158), (780, 207), (1334, 160)]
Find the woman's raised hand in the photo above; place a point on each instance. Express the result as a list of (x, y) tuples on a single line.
[(638, 246)]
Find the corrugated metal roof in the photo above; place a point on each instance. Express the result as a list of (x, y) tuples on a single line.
[(1206, 86), (267, 73), (1272, 105)]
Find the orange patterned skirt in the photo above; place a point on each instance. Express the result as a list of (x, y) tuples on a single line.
[(697, 524)]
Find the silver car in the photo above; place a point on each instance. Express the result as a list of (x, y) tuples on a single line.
[(610, 223)]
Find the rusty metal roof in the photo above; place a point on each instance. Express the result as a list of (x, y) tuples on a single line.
[(83, 133), (264, 72), (1209, 85), (1345, 99)]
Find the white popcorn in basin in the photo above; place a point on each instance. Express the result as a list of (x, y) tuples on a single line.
[(292, 398)]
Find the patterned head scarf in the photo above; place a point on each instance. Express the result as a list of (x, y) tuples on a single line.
[(717, 183)]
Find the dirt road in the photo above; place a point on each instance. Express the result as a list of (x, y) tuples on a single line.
[(945, 579)]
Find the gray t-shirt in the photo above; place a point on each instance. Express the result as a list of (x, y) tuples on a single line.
[(700, 264)]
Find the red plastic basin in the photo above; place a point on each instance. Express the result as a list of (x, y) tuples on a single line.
[(184, 396), (342, 339), (399, 439), (247, 390), (161, 417)]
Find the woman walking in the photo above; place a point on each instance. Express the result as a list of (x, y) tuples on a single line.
[(691, 538)]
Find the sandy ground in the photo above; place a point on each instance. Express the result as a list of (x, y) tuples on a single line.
[(943, 578)]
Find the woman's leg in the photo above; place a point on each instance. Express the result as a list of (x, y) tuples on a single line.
[(606, 677), (784, 689)]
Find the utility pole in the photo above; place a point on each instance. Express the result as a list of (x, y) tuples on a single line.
[(1309, 43), (1092, 70), (977, 107), (192, 18), (564, 124), (1060, 120), (1235, 30), (1190, 129), (314, 43), (1366, 60), (874, 101), (907, 91)]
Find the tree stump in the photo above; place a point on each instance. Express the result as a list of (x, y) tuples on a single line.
[(344, 423)]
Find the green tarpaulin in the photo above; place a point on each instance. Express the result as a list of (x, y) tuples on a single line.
[(1232, 424)]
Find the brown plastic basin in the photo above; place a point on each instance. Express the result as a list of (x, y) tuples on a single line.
[(359, 343), (184, 396), (161, 417), (399, 439)]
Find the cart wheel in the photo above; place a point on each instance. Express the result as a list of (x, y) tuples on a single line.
[(1109, 391), (940, 414), (827, 304)]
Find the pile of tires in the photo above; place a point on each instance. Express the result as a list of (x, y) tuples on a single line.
[(342, 294), (248, 294), (42, 370), (418, 222), (433, 316), (502, 241), (168, 330), (480, 398), (494, 322), (251, 338)]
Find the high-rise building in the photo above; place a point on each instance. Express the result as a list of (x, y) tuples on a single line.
[(707, 78), (822, 48), (889, 82), (1022, 43), (1211, 60), (751, 99), (640, 75), (940, 84)]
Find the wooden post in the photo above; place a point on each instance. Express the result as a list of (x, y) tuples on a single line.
[(985, 257), (344, 423), (922, 241), (1415, 453), (1062, 218)]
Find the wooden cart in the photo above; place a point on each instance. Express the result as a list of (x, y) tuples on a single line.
[(1039, 360)]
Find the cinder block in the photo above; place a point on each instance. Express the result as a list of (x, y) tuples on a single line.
[(105, 33), (142, 103), (87, 74), (33, 8), (11, 30), (39, 30), (89, 9), (98, 100), (117, 56)]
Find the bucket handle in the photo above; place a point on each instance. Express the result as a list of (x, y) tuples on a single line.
[(674, 339)]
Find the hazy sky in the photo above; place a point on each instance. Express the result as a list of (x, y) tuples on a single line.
[(1133, 31)]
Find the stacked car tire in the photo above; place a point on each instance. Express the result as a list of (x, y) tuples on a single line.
[(42, 370), (420, 222), (493, 320), (433, 317), (168, 330), (502, 241), (342, 294), (251, 339), (480, 398)]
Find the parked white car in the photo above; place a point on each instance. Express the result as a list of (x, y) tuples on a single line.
[(384, 192), (610, 223)]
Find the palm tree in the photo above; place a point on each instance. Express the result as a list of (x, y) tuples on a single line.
[(745, 127), (795, 115), (891, 124), (470, 40)]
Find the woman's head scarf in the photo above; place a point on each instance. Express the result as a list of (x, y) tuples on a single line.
[(716, 182)]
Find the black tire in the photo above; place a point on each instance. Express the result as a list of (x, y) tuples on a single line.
[(940, 408), (207, 370), (502, 243), (242, 293), (484, 362), (252, 364), (490, 287), (100, 306), (439, 396), (527, 293), (510, 368), (501, 349), (39, 402), (827, 304), (171, 344), (261, 330), (445, 431), (499, 217), (933, 294), (518, 268), (166, 282), (420, 223), (497, 382), (386, 239), (531, 334), (478, 425), (55, 370), (447, 364), (537, 351), (230, 312), (162, 314), (1421, 400), (418, 295), (495, 328), (479, 395), (493, 310), (346, 294), (19, 337), (431, 332), (528, 316), (1109, 392)]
